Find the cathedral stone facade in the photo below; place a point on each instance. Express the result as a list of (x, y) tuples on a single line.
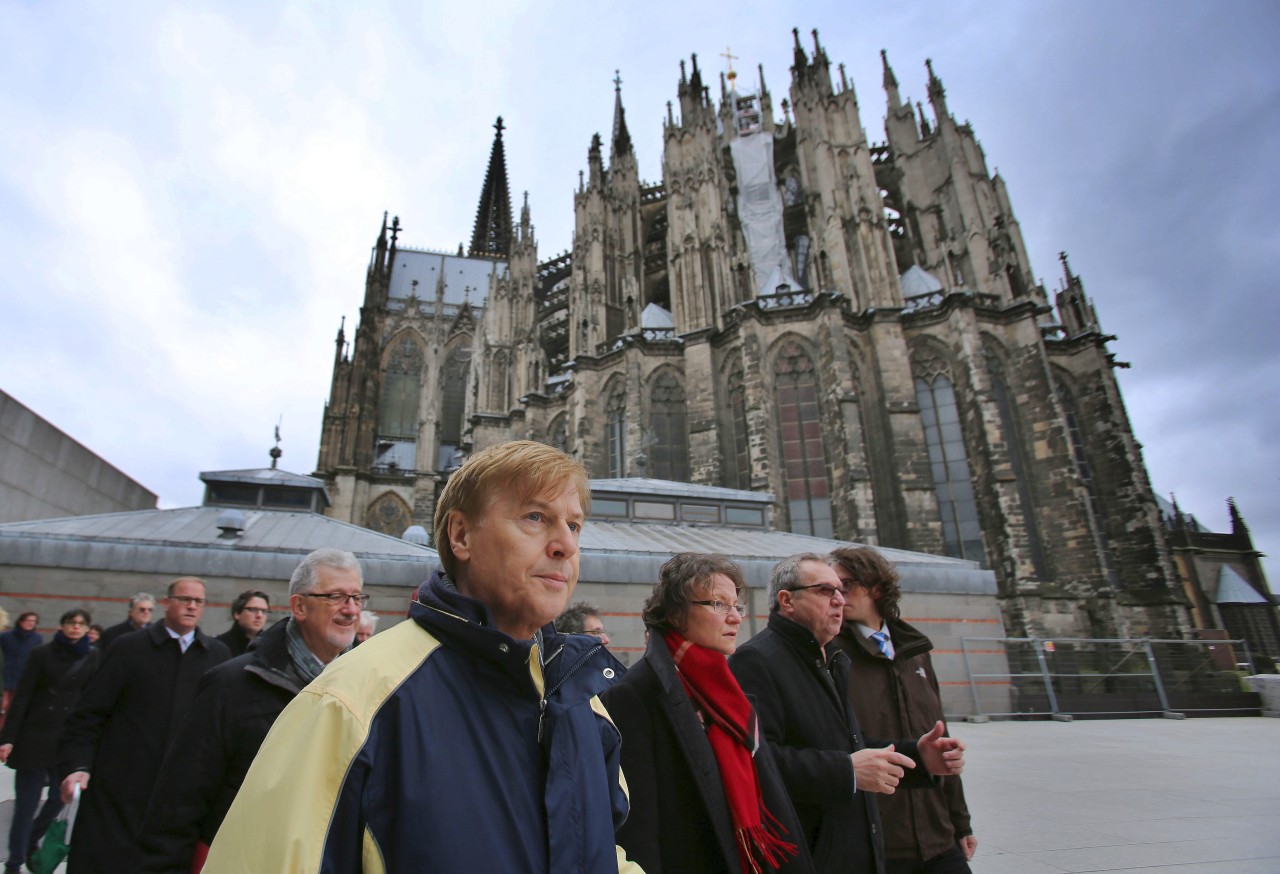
[(852, 326)]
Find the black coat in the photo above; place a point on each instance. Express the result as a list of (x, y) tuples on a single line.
[(119, 733), (113, 633), (235, 706), (235, 639), (679, 819), (48, 691), (805, 714)]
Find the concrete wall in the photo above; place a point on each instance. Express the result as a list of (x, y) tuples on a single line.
[(45, 474)]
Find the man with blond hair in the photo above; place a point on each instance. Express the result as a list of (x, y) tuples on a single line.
[(115, 739), (468, 738)]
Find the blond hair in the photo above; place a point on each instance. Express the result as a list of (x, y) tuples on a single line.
[(529, 469)]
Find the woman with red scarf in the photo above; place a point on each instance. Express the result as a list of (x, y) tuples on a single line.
[(705, 794)]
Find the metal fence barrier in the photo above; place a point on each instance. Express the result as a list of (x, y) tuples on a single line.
[(1064, 678)]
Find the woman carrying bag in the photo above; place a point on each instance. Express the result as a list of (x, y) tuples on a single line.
[(705, 793), (55, 675)]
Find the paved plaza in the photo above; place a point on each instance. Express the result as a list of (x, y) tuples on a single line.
[(1195, 796), (1160, 796)]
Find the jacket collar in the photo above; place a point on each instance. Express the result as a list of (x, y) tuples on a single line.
[(159, 634), (268, 658), (801, 639), (467, 625), (908, 640)]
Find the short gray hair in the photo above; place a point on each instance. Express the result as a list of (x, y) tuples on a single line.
[(371, 618), (786, 575), (304, 575), (139, 598)]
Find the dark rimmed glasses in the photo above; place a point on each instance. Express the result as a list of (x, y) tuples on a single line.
[(826, 590), (337, 599)]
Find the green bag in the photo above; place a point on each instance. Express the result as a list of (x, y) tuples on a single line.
[(53, 849), (56, 843)]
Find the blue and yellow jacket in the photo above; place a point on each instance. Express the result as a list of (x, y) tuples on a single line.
[(440, 745)]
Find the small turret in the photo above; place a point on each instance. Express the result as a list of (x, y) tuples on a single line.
[(890, 83)]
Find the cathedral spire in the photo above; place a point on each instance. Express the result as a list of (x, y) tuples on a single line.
[(890, 83), (621, 144), (800, 60), (492, 235), (1237, 521), (937, 94)]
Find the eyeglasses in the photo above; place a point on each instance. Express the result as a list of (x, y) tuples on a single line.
[(723, 607), (594, 632), (337, 599), (826, 590), (186, 600)]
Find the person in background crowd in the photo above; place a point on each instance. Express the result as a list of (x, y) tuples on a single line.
[(236, 705), (705, 795), (248, 616), (895, 694), (95, 633), (582, 618), (468, 738), (368, 625), (16, 644), (831, 770), (141, 607), (123, 723), (55, 674)]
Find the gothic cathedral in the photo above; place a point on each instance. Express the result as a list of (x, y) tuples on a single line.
[(853, 327)]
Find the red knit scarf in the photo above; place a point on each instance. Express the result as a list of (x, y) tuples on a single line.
[(732, 733)]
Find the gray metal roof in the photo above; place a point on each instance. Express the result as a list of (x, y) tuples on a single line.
[(632, 552), (638, 485), (1233, 589), (459, 272), (187, 541), (263, 475)]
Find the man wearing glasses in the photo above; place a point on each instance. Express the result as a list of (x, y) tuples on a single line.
[(248, 618), (468, 737), (238, 702), (141, 606), (800, 684), (123, 723), (583, 618)]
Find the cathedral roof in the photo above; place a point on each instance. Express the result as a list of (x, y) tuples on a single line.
[(462, 277), (1232, 589), (917, 280), (654, 316)]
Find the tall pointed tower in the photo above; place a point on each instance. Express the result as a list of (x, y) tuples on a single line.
[(491, 237)]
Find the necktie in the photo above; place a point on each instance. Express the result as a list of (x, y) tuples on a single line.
[(882, 641)]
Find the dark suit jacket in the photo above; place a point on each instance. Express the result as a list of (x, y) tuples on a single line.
[(119, 733), (679, 819), (805, 714)]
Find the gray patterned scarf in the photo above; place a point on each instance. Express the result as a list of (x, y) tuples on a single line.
[(304, 661)]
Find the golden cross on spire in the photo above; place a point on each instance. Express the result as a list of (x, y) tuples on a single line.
[(730, 57)]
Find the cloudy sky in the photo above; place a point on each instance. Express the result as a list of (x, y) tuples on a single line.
[(188, 195)]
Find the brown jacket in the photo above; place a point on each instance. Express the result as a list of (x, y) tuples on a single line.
[(900, 698)]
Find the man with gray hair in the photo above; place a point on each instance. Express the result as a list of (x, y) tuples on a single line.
[(368, 625), (799, 684), (141, 607), (238, 702)]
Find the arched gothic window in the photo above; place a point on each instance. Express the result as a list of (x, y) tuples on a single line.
[(615, 410), (401, 386), (668, 424), (389, 514), (738, 470), (453, 406), (804, 465), (948, 461), (499, 393)]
